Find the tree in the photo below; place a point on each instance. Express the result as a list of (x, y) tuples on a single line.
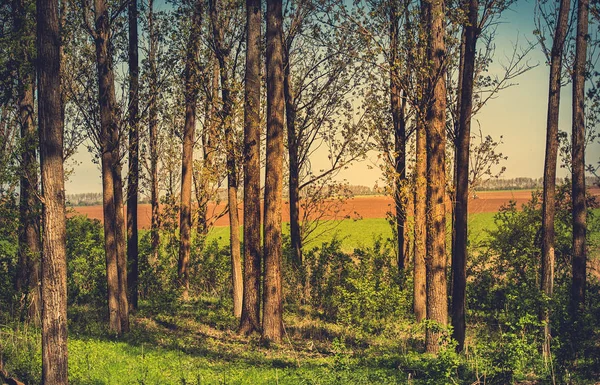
[(250, 321), (133, 174), (272, 323), (398, 110), (218, 17), (54, 256), (109, 141), (153, 131), (579, 260), (191, 96), (320, 75), (460, 213), (29, 233), (548, 199), (437, 297)]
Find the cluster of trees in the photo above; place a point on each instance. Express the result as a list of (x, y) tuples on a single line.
[(386, 75)]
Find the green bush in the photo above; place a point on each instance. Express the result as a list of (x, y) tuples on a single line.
[(86, 263)]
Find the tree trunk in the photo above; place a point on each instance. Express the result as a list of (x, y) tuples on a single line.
[(191, 96), (437, 296), (109, 161), (420, 204), (54, 258), (548, 204), (420, 254), (28, 271), (399, 124), (133, 176), (460, 213), (153, 128), (273, 308), (121, 239), (578, 163), (232, 173), (294, 171), (250, 321)]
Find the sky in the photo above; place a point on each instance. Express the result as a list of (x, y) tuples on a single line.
[(518, 114)]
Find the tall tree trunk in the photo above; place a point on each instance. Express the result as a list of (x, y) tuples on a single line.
[(399, 123), (420, 253), (28, 271), (294, 171), (133, 176), (548, 204), (54, 255), (437, 296), (153, 128), (272, 307), (109, 162), (250, 321), (420, 204), (232, 172), (460, 213), (191, 96), (578, 163)]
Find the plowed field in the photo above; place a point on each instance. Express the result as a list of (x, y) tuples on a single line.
[(364, 206)]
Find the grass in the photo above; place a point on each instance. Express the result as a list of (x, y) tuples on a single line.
[(192, 346), (362, 232)]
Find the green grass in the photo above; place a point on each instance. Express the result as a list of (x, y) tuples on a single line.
[(363, 232)]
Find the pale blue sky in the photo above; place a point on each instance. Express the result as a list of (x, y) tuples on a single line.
[(517, 113)]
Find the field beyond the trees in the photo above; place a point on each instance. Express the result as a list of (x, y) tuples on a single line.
[(374, 206)]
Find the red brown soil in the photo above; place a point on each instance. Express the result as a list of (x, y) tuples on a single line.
[(363, 206)]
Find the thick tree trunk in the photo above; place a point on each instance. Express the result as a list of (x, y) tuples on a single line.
[(420, 253), (548, 200), (578, 163), (109, 143), (153, 128), (273, 308), (54, 258), (191, 96), (294, 171), (250, 321), (399, 124), (437, 296), (133, 176), (459, 240), (420, 193)]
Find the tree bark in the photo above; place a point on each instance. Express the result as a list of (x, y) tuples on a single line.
[(232, 172), (437, 296), (294, 171), (420, 254), (273, 308), (460, 213), (133, 176), (548, 198), (578, 163), (121, 238), (153, 128), (109, 144), (28, 269), (250, 321), (399, 124), (191, 96), (54, 258)]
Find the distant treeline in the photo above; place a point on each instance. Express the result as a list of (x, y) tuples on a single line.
[(523, 183)]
